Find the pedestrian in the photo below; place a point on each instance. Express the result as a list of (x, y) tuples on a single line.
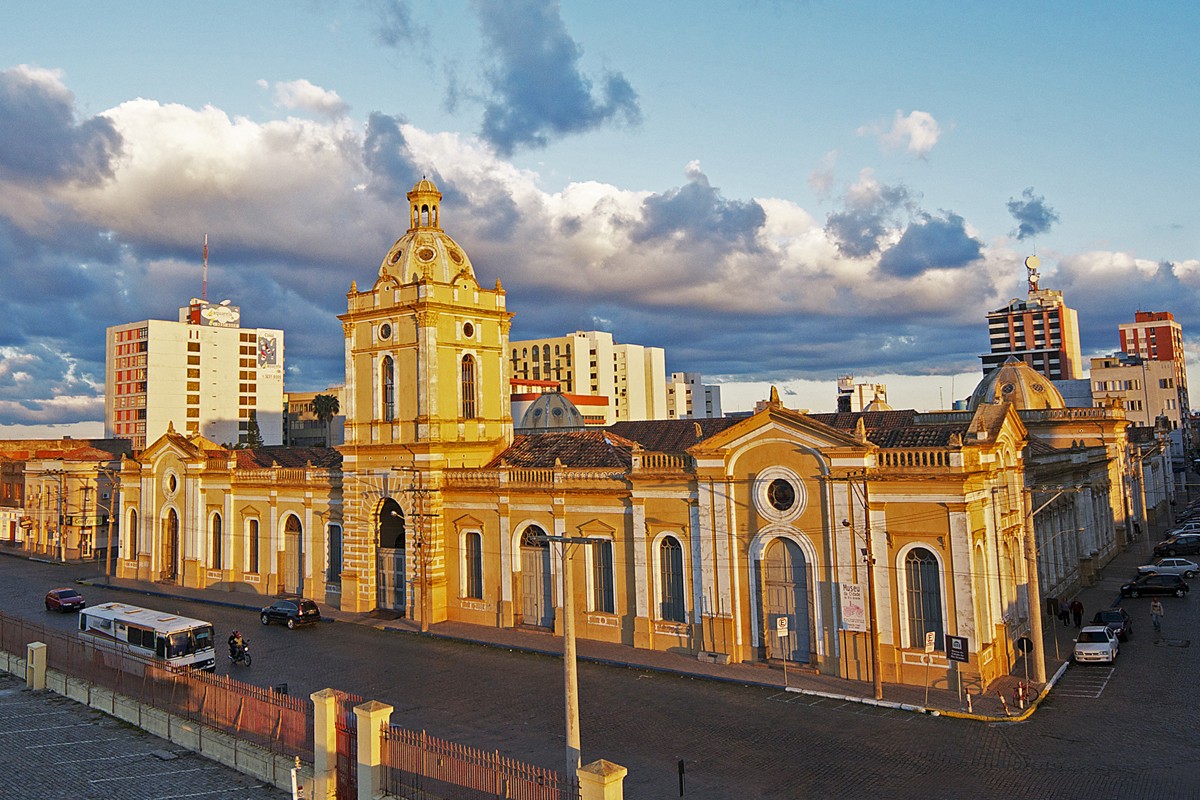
[(1064, 612), (1156, 614), (1077, 612)]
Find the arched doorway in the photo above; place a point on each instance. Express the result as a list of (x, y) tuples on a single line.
[(293, 555), (168, 569), (390, 555), (786, 594), (537, 603)]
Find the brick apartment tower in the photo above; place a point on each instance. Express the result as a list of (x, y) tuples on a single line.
[(1156, 336), (1042, 331)]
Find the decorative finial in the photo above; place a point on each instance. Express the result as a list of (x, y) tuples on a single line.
[(774, 396)]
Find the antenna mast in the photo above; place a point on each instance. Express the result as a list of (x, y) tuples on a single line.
[(204, 285)]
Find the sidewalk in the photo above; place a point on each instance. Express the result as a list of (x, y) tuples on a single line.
[(941, 700)]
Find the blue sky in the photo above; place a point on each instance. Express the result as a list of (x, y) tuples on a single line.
[(774, 192)]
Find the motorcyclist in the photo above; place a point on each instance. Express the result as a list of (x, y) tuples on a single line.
[(235, 644)]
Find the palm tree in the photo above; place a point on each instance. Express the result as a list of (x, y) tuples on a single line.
[(326, 407)]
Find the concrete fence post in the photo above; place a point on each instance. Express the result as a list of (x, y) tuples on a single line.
[(602, 780), (35, 665), (324, 744), (370, 717)]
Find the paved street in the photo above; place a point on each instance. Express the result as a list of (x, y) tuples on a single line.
[(1104, 732)]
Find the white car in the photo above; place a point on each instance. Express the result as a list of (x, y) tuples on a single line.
[(1187, 527), (1096, 643), (1171, 566)]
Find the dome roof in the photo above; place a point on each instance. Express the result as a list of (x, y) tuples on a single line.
[(1019, 384), (551, 412), (426, 252), (878, 404)]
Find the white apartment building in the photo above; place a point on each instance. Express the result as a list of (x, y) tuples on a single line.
[(590, 363), (201, 375), (1146, 387), (689, 398)]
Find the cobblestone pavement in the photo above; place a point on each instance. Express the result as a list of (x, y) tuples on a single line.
[(57, 749)]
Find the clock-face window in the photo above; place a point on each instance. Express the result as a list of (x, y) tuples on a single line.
[(781, 495), (385, 331)]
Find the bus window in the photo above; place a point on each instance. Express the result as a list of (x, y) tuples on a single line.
[(204, 637), (179, 644)]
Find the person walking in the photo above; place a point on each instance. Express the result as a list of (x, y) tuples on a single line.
[(1077, 612), (1064, 612), (1156, 614)]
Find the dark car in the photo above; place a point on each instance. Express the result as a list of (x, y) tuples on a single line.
[(1155, 584), (64, 600), (1117, 619), (291, 611), (1182, 544)]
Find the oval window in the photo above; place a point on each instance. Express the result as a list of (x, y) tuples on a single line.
[(468, 330)]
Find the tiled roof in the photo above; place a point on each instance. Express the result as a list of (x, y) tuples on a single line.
[(590, 449), (279, 455), (671, 435), (896, 428)]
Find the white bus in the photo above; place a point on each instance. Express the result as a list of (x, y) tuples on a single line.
[(180, 641)]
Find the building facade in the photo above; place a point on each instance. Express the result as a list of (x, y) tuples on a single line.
[(688, 397), (590, 363), (1041, 330), (1147, 388), (203, 375)]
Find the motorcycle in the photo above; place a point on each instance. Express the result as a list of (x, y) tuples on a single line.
[(241, 655)]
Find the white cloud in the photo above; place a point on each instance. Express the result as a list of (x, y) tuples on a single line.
[(306, 96), (916, 133)]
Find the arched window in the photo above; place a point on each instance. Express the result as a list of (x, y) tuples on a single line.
[(387, 377), (670, 564), (473, 566), (924, 597), (131, 539), (252, 545), (215, 552), (468, 387)]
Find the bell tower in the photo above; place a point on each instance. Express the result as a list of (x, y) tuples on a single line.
[(427, 389)]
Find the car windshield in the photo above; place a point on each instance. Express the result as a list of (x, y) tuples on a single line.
[(1093, 637), (67, 594)]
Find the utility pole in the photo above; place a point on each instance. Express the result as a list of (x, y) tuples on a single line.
[(570, 673), (868, 554)]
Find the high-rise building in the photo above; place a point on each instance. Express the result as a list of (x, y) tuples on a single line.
[(1041, 330), (1145, 387), (855, 397), (1156, 336), (201, 375), (590, 363), (689, 398)]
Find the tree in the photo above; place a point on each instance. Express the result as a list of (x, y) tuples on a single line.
[(253, 434), (326, 407)]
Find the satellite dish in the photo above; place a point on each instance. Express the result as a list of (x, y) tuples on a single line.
[(1032, 263)]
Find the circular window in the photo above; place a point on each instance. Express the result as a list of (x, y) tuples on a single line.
[(426, 254), (1007, 388), (385, 331), (171, 483), (781, 495), (455, 256), (468, 330)]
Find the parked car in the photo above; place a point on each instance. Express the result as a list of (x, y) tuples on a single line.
[(1118, 621), (1190, 526), (291, 611), (1096, 643), (64, 600), (1155, 584), (1182, 544), (1171, 566)]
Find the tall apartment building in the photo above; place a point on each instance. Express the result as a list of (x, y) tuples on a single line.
[(1156, 336), (689, 398), (201, 375), (590, 363), (1041, 330), (1146, 388)]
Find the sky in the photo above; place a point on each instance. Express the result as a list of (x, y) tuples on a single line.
[(775, 193)]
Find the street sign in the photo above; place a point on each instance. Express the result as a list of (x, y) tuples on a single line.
[(781, 627), (957, 649), (930, 641), (1024, 644)]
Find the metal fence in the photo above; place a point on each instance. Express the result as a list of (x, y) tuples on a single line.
[(418, 766), (278, 722)]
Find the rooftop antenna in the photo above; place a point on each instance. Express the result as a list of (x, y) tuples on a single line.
[(204, 285)]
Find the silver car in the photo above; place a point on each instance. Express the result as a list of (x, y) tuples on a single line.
[(1171, 566), (1096, 643)]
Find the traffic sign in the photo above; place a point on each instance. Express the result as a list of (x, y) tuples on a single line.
[(781, 626), (930, 640)]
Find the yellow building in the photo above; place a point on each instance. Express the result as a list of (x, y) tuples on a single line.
[(781, 536)]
